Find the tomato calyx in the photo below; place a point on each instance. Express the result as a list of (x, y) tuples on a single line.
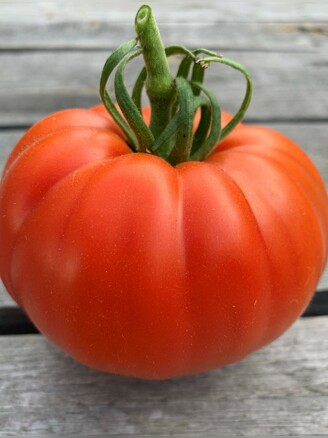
[(174, 101)]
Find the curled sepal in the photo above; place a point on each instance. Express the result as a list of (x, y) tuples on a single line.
[(138, 88), (248, 94), (198, 74), (207, 52), (184, 67), (184, 135), (202, 150), (198, 71), (112, 62), (129, 108), (160, 146), (202, 128)]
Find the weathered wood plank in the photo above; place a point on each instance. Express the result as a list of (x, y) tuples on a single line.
[(100, 34), (5, 299), (8, 139), (37, 83), (280, 390), (189, 11), (323, 284), (292, 25)]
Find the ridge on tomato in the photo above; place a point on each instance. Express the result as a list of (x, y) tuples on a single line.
[(165, 240)]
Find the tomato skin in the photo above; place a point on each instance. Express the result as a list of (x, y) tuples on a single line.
[(136, 267)]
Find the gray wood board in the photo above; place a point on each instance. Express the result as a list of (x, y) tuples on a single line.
[(103, 34), (268, 24), (5, 299), (285, 87), (189, 11), (280, 390)]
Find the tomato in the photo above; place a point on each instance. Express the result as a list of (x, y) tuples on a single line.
[(134, 266), (159, 242)]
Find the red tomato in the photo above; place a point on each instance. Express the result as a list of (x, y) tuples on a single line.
[(136, 267)]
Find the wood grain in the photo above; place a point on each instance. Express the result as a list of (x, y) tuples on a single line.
[(38, 83), (280, 390), (101, 34), (189, 11)]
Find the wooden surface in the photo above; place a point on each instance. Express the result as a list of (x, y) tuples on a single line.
[(280, 390), (51, 54)]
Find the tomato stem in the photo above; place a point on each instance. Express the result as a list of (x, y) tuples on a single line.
[(174, 101), (160, 85)]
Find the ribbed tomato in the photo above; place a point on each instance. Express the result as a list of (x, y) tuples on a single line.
[(134, 266)]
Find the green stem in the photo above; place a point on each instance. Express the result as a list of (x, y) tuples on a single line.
[(173, 102), (160, 86)]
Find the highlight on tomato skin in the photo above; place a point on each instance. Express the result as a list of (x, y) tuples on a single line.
[(154, 249)]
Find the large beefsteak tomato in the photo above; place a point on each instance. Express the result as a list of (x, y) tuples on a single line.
[(136, 266)]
